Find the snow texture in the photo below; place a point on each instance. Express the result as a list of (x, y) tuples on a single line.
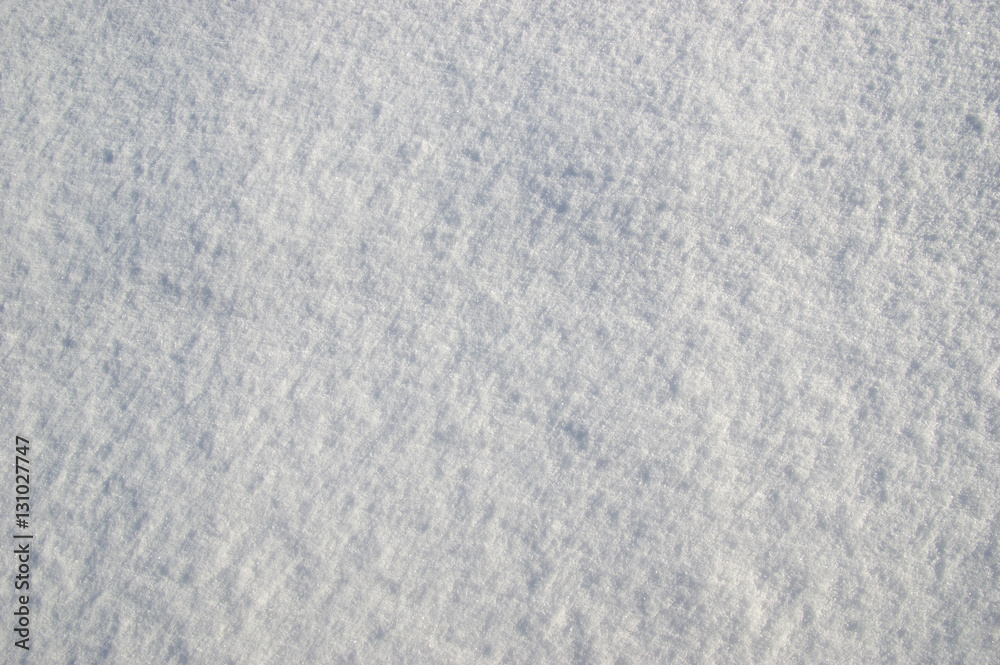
[(504, 333)]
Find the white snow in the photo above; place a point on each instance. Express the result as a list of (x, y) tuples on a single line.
[(504, 333)]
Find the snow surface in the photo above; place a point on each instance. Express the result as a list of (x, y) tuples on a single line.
[(504, 333)]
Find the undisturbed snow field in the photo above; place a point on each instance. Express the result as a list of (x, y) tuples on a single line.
[(503, 333)]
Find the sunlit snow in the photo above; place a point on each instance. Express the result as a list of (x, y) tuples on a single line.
[(503, 332)]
